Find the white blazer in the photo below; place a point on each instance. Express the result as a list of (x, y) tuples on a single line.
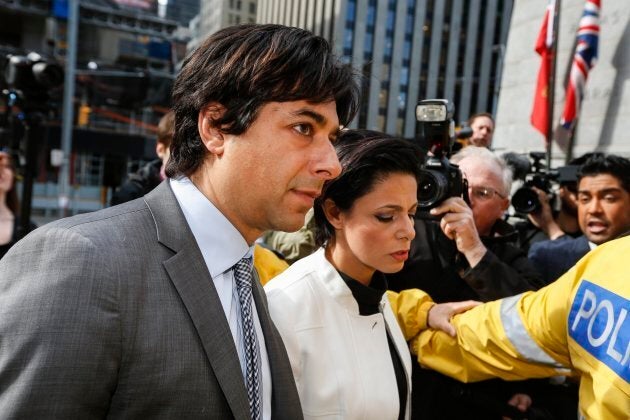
[(340, 360)]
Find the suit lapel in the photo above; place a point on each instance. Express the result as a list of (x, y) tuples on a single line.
[(191, 278)]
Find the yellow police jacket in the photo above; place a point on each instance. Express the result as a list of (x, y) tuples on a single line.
[(267, 264), (580, 322)]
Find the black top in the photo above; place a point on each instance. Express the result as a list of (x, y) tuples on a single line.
[(369, 300), (4, 248)]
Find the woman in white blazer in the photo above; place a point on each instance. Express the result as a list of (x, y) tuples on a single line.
[(349, 357)]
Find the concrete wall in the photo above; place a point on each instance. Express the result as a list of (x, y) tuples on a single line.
[(604, 123)]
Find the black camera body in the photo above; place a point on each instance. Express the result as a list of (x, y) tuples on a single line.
[(32, 77), (525, 200), (439, 178)]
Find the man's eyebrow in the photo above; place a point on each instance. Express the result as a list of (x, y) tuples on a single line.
[(319, 118), (604, 191)]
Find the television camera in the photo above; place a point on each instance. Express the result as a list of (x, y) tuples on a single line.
[(440, 179), (26, 86), (525, 200)]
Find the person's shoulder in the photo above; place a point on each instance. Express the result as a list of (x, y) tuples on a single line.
[(296, 297), (562, 243), (110, 222), (620, 245), (299, 279)]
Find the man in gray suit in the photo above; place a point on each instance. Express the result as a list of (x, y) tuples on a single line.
[(133, 311)]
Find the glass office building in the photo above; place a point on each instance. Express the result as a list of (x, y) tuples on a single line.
[(409, 50)]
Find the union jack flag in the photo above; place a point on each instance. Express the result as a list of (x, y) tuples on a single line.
[(583, 60)]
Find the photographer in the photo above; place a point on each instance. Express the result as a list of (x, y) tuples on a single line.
[(468, 254), (603, 209), (556, 225), (482, 125)]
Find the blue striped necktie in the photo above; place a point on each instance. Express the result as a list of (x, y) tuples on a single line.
[(253, 375)]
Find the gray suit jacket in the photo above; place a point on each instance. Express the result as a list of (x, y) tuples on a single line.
[(113, 314)]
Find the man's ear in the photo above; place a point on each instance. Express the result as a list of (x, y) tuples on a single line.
[(333, 213), (505, 204), (209, 130)]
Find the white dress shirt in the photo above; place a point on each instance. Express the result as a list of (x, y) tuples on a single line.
[(222, 246)]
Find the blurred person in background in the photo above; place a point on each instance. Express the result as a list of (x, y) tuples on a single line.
[(603, 209), (9, 205), (482, 125), (293, 245), (555, 223), (151, 174)]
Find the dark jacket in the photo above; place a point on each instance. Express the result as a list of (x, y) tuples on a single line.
[(554, 258), (436, 266), (138, 184)]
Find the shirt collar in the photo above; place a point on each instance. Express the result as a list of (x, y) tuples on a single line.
[(221, 244)]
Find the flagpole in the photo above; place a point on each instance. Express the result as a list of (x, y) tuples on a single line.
[(569, 155), (551, 86)]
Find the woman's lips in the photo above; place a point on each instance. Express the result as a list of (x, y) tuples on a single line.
[(400, 255)]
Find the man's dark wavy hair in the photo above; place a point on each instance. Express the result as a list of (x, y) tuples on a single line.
[(614, 165), (244, 67), (366, 157)]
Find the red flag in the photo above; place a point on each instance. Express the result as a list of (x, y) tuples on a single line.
[(540, 112)]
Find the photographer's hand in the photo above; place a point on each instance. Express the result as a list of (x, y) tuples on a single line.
[(458, 224), (543, 219)]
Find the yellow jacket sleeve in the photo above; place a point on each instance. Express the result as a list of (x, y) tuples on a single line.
[(267, 264), (411, 308), (520, 337)]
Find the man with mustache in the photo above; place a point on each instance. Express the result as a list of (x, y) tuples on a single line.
[(150, 309), (603, 206)]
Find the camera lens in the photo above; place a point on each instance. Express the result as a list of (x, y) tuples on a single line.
[(525, 200), (433, 187)]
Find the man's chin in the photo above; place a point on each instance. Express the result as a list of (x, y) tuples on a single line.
[(598, 239), (290, 224)]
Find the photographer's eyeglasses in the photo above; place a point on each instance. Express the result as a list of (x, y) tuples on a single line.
[(484, 193)]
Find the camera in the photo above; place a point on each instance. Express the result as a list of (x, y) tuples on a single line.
[(25, 91), (31, 77), (525, 200), (439, 178)]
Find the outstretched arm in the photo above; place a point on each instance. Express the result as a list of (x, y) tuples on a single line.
[(515, 338), (415, 312)]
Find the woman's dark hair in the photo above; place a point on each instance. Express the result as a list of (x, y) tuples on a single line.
[(366, 157), (598, 164), (246, 66), (12, 200)]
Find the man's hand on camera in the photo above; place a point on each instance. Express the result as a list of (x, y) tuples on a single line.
[(458, 224), (543, 219)]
